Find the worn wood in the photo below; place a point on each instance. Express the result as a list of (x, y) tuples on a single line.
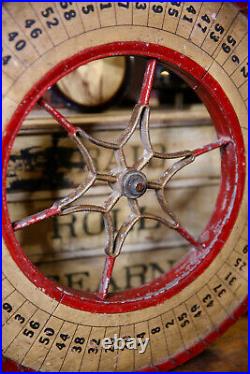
[(228, 354)]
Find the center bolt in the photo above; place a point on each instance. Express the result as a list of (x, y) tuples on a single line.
[(134, 184)]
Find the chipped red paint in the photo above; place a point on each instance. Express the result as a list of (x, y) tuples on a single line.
[(35, 218), (148, 82), (229, 199), (215, 100), (106, 276), (61, 120)]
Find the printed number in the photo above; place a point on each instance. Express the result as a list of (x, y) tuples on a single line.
[(34, 33), (206, 19), (235, 59), (218, 28), (20, 44), (157, 8), (96, 343), (55, 22), (64, 337), (208, 300), (239, 263), (155, 330), (141, 5), (79, 340), (244, 72), (49, 332), (183, 318), (43, 340), (230, 279), (219, 290), (191, 9), (46, 13), (76, 348), (12, 36), (88, 8), (124, 5), (93, 350), (19, 318), (6, 60), (34, 325), (28, 333), (105, 5), (69, 15), (245, 249), (7, 307), (60, 346), (170, 323), (173, 12), (64, 5), (196, 310), (227, 48)]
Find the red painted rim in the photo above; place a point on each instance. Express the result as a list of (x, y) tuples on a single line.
[(228, 202)]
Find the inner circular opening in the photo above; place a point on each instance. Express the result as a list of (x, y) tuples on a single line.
[(69, 249)]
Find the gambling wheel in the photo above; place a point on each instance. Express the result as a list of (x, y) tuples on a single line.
[(47, 327)]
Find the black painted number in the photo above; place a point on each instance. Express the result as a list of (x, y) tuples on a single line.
[(227, 46), (46, 13), (36, 31), (7, 307), (19, 44)]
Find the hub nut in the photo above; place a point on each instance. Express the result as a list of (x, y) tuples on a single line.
[(134, 184)]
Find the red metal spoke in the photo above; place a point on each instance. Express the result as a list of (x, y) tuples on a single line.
[(61, 120), (188, 237), (106, 276), (211, 146), (147, 82), (54, 210)]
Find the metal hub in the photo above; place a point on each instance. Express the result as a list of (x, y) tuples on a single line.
[(134, 184)]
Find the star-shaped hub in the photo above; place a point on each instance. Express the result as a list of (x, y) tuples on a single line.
[(125, 181)]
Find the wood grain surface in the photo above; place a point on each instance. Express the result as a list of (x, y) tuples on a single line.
[(228, 353)]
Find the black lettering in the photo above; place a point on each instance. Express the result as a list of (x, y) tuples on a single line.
[(6, 60), (92, 230), (157, 8), (124, 5), (105, 5), (156, 270), (57, 223), (137, 272), (145, 224), (141, 5), (169, 323), (88, 8)]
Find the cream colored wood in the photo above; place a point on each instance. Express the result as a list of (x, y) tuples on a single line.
[(123, 11), (71, 18), (18, 347), (172, 17), (189, 16), (50, 18), (30, 26)]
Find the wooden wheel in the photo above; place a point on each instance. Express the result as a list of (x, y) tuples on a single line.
[(47, 327)]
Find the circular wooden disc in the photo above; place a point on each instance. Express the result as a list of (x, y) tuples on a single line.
[(42, 332)]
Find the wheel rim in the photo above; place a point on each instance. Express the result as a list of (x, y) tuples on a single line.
[(228, 203)]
